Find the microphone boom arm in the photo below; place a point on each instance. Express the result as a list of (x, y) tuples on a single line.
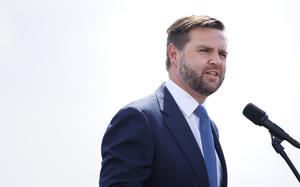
[(276, 143)]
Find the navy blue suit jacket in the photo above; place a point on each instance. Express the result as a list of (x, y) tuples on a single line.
[(149, 143)]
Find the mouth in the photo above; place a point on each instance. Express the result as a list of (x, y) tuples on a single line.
[(212, 74)]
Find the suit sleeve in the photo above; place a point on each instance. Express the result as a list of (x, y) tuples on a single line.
[(127, 150)]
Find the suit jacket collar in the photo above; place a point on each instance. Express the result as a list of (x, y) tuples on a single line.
[(179, 128), (222, 159)]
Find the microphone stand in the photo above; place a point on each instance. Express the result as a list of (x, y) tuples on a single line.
[(280, 149)]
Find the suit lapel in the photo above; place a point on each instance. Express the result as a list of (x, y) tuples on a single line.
[(182, 134), (222, 159)]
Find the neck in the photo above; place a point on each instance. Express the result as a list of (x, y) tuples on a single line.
[(198, 97)]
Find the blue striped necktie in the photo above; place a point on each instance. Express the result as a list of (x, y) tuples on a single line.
[(208, 146)]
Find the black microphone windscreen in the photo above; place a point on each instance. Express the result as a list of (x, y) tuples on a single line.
[(254, 114)]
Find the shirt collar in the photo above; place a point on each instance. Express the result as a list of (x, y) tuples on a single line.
[(184, 100)]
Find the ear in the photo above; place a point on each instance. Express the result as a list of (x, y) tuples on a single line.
[(173, 54)]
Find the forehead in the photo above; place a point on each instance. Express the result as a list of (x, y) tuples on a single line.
[(206, 36)]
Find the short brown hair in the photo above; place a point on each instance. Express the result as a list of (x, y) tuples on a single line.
[(179, 30)]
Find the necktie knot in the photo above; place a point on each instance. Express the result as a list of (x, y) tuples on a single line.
[(201, 112)]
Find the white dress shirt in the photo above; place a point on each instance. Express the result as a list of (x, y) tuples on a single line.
[(187, 104)]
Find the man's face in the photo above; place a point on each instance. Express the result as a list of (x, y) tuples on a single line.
[(203, 60)]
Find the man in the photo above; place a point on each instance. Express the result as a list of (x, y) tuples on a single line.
[(158, 141)]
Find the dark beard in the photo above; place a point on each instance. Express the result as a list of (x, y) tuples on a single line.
[(196, 81)]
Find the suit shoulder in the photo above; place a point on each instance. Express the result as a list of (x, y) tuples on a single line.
[(145, 104), (145, 109)]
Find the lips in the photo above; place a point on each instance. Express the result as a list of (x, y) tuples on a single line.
[(212, 73)]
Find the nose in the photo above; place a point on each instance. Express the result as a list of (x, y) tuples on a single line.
[(215, 59)]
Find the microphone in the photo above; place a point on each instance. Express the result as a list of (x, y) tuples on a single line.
[(259, 117)]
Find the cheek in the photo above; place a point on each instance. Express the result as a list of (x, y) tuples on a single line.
[(223, 68), (197, 63)]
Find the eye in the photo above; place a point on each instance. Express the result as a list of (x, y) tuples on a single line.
[(204, 50), (223, 54)]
